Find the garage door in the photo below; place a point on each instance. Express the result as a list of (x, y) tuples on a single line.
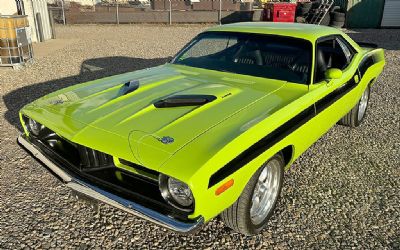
[(391, 14)]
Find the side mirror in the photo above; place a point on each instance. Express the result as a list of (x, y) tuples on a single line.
[(333, 73)]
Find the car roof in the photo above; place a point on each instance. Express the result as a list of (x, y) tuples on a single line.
[(305, 31)]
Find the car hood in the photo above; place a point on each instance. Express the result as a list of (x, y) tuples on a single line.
[(117, 114)]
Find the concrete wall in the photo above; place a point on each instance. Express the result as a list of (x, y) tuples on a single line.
[(162, 17), (84, 2), (8, 7)]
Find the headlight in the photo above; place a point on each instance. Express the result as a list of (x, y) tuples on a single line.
[(34, 127), (176, 193)]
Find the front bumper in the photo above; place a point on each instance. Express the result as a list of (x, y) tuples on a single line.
[(114, 200)]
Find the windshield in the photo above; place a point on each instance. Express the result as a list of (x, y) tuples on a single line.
[(268, 56)]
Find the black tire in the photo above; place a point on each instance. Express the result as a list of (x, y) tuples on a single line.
[(337, 24), (338, 16), (237, 216), (339, 19), (306, 5), (335, 8), (352, 118), (304, 8), (302, 11)]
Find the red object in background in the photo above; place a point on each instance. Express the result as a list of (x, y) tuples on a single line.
[(279, 12)]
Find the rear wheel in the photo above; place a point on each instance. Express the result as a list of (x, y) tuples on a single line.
[(357, 113), (250, 213)]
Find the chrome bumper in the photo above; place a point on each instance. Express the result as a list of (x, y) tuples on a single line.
[(109, 198)]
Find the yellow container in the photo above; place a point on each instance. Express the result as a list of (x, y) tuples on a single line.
[(8, 24), (10, 60), (22, 22), (9, 52), (8, 43), (8, 33), (14, 21)]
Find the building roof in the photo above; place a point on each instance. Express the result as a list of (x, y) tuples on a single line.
[(306, 31)]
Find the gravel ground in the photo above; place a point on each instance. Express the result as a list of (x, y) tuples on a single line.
[(342, 193)]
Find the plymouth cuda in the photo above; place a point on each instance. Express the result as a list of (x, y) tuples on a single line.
[(211, 132)]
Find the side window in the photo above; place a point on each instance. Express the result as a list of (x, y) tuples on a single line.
[(349, 52), (329, 54)]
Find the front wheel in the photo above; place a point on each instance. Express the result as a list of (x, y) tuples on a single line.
[(250, 213), (357, 113)]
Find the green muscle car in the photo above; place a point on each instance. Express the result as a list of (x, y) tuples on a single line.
[(209, 133)]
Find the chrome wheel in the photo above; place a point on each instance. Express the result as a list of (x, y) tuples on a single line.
[(265, 192), (362, 105)]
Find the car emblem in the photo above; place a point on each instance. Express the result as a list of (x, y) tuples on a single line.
[(57, 101), (166, 140)]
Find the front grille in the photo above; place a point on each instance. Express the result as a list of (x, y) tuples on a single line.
[(98, 168), (150, 173), (91, 158)]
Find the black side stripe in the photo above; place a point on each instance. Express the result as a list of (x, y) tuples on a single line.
[(262, 145), (369, 61), (285, 129), (366, 63), (335, 95)]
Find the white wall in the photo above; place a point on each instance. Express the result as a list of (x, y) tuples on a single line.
[(28, 11), (41, 7), (82, 2), (8, 7), (87, 2)]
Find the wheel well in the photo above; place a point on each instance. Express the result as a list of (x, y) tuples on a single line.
[(372, 82), (287, 154)]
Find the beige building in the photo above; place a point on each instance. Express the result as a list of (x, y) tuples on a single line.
[(33, 9), (8, 7)]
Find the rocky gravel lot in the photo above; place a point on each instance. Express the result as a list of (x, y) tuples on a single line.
[(344, 192)]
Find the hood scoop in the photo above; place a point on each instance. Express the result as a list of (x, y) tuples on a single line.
[(128, 87), (184, 100)]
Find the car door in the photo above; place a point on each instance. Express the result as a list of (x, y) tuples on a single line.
[(329, 95)]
